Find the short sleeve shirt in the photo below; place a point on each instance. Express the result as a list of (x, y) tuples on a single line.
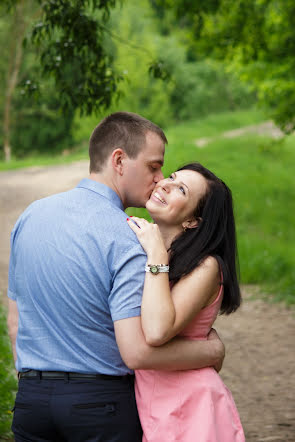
[(75, 268)]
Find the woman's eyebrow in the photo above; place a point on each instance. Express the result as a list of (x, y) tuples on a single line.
[(174, 173)]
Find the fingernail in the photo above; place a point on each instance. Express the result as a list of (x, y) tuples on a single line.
[(127, 219), (131, 216)]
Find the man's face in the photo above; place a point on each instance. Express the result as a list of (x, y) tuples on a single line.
[(142, 173)]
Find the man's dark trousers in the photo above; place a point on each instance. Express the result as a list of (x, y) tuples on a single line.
[(76, 410)]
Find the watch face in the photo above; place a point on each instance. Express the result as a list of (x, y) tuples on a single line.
[(154, 269)]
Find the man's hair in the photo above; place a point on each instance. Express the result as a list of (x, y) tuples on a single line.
[(123, 130)]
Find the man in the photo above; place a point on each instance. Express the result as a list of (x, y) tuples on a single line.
[(75, 284)]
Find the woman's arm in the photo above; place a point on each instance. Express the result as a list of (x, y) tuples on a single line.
[(165, 313)]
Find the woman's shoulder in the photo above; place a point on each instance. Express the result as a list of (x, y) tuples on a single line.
[(207, 272), (211, 265), (210, 269)]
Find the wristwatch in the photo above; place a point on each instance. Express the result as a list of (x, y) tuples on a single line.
[(157, 268)]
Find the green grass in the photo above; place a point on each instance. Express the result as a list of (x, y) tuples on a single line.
[(263, 189), (8, 382), (213, 125)]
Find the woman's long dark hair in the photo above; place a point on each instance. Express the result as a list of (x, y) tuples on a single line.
[(215, 236)]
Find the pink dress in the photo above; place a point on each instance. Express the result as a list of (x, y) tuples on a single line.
[(191, 405)]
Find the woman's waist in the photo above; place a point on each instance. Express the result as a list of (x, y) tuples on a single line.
[(159, 385), (174, 375)]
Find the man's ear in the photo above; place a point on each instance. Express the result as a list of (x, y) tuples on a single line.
[(117, 158), (192, 223)]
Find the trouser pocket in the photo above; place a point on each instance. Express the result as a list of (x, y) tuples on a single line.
[(109, 408)]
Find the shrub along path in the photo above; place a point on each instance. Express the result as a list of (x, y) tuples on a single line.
[(259, 367)]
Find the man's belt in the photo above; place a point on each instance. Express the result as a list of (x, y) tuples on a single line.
[(35, 374)]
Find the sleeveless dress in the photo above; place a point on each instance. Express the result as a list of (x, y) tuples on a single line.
[(190, 405)]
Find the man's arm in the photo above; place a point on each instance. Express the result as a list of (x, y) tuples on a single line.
[(177, 354), (12, 324)]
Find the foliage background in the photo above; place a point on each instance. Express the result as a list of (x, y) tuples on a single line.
[(195, 88)]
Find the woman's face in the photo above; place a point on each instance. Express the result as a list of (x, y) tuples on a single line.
[(175, 198)]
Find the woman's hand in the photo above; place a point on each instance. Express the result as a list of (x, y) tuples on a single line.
[(150, 238)]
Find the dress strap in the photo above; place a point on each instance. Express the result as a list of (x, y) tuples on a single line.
[(221, 286)]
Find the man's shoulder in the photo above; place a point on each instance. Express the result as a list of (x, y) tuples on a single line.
[(48, 199), (112, 222)]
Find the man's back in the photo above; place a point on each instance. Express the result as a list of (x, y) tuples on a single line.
[(67, 260)]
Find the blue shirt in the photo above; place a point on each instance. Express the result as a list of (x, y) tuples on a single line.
[(75, 267)]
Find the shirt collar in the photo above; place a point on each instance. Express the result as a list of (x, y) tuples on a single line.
[(103, 190)]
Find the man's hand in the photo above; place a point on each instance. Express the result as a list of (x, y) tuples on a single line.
[(12, 324), (220, 349)]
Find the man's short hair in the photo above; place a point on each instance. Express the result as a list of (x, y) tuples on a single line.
[(123, 130)]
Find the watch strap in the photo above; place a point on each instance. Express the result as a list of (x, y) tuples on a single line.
[(157, 268)]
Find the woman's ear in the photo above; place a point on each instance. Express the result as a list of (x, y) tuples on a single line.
[(117, 158), (191, 223)]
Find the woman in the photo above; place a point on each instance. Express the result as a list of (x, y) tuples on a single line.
[(194, 229)]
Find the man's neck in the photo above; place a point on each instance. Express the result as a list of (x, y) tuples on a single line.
[(104, 178), (101, 177)]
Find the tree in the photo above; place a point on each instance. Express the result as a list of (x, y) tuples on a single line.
[(70, 37), (30, 124), (17, 32), (69, 41), (256, 38)]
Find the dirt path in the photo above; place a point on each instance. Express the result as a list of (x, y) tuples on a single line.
[(260, 338)]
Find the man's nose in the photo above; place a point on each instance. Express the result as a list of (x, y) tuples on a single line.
[(159, 176)]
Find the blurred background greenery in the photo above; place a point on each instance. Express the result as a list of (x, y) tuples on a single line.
[(198, 69)]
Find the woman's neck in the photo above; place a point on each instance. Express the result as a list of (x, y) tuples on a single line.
[(169, 233)]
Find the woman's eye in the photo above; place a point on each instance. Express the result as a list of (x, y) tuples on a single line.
[(182, 190), (171, 177)]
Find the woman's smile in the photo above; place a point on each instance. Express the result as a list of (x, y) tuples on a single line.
[(158, 198)]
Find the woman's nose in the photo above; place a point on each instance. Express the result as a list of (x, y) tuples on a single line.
[(166, 185)]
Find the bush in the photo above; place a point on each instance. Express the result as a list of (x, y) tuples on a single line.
[(204, 87), (7, 380), (40, 127)]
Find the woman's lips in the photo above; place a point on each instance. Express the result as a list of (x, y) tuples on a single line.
[(157, 197)]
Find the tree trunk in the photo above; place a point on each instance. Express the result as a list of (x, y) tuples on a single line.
[(16, 53)]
